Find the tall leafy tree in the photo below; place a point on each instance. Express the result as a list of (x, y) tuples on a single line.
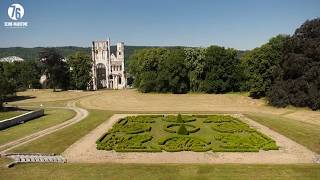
[(80, 70), (297, 77), (28, 74), (195, 63), (7, 84), (176, 71), (260, 63), (222, 70), (144, 66), (55, 67)]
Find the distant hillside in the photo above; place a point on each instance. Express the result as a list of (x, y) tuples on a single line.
[(32, 53)]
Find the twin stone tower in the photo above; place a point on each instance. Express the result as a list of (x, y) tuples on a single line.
[(108, 68)]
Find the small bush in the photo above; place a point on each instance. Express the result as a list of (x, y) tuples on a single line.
[(183, 130), (179, 119)]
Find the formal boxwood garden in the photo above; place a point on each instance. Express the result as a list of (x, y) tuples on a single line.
[(198, 133)]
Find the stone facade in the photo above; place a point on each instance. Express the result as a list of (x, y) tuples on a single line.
[(107, 69)]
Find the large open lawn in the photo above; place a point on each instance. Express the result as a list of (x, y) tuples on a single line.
[(132, 101), (58, 141), (304, 133), (47, 97), (298, 124), (164, 171), (51, 118)]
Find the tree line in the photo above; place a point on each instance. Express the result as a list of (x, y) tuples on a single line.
[(285, 70), (180, 70), (61, 73)]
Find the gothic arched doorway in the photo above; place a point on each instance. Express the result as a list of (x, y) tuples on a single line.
[(101, 75)]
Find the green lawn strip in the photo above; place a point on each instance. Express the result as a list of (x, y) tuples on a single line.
[(51, 118), (58, 141), (10, 114), (302, 132), (161, 171)]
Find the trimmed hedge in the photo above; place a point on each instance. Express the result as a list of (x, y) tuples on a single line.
[(229, 134), (167, 128), (116, 142), (184, 143), (174, 119)]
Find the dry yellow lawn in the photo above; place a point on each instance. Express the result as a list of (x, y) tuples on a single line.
[(132, 101), (47, 96)]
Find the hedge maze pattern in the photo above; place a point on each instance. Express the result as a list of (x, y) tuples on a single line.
[(199, 133)]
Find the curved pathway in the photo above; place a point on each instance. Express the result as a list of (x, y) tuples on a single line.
[(80, 115)]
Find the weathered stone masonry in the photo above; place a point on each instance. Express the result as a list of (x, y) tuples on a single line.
[(107, 69)]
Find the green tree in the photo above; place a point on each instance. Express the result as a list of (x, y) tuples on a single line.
[(176, 71), (260, 63), (7, 84), (297, 77), (195, 64), (80, 69), (144, 67), (28, 74), (55, 67), (222, 70), (160, 70)]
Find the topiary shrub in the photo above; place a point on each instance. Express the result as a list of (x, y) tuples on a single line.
[(183, 130), (179, 119)]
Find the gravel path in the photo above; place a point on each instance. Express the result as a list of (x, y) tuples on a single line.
[(80, 115), (84, 151)]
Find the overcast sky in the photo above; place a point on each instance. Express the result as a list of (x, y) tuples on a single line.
[(241, 24)]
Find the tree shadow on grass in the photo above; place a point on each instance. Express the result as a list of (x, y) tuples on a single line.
[(19, 98), (7, 107)]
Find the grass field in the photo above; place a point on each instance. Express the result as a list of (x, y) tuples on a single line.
[(299, 124), (132, 101), (302, 132), (58, 141), (164, 171), (154, 133), (51, 118), (47, 95), (10, 114)]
